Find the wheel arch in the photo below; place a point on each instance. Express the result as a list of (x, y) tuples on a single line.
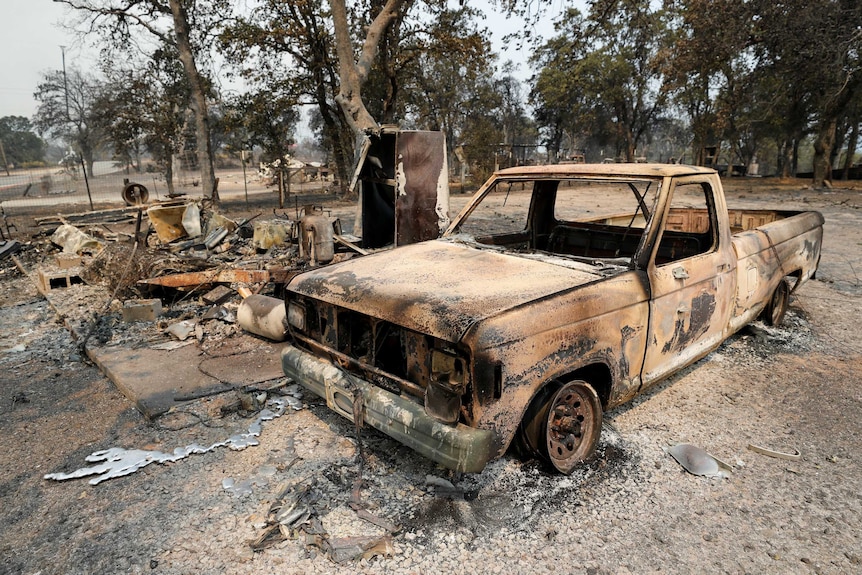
[(597, 374)]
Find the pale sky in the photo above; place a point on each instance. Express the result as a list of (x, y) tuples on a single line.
[(30, 44), (31, 36)]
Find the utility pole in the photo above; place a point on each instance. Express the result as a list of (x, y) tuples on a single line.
[(65, 84)]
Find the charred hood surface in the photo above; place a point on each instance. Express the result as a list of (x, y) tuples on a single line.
[(438, 287)]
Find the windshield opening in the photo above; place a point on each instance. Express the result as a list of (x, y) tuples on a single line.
[(585, 218)]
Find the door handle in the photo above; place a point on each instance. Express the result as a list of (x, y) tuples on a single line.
[(680, 273)]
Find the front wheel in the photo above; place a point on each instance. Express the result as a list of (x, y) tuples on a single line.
[(564, 425)]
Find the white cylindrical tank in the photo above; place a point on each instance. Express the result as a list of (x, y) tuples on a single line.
[(264, 316)]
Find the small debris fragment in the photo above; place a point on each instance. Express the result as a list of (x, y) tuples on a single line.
[(220, 313), (171, 345), (141, 310), (218, 295), (344, 549), (182, 330), (796, 456), (66, 261), (74, 241), (697, 461)]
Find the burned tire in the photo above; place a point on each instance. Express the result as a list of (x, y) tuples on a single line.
[(776, 307), (563, 425), (135, 194)]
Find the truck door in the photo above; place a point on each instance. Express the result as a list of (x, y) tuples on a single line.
[(691, 275)]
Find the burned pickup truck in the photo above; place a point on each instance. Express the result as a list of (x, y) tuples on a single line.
[(558, 292)]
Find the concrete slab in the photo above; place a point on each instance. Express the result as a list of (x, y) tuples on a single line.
[(157, 380)]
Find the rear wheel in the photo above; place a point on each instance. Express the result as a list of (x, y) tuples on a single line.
[(773, 313), (563, 424)]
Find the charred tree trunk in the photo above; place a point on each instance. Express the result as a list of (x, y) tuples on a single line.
[(199, 99), (352, 72), (86, 151), (823, 144), (852, 142), (169, 174)]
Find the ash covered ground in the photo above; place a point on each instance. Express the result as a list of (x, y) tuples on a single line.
[(631, 510)]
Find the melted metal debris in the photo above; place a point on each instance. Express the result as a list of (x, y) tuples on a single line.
[(698, 462), (119, 462)]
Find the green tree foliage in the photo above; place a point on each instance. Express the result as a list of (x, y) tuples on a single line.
[(266, 119), (601, 74), (66, 111), (748, 72), (289, 46), (20, 144), (420, 71), (187, 26), (818, 55), (148, 106), (447, 81)]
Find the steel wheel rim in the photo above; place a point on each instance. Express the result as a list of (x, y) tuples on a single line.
[(571, 425)]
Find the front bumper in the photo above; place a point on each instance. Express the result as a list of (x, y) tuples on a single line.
[(461, 448)]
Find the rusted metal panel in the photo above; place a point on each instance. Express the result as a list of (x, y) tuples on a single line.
[(604, 323), (404, 191), (422, 187), (439, 288), (194, 279)]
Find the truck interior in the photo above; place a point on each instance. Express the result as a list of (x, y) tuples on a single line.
[(589, 219)]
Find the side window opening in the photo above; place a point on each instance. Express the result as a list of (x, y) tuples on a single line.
[(690, 224), (501, 218)]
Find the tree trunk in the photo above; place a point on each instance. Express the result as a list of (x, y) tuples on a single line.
[(852, 142), (823, 151), (199, 100), (353, 73), (794, 168), (785, 158), (87, 154), (169, 174)]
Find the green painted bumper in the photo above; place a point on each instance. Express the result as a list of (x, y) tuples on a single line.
[(461, 448)]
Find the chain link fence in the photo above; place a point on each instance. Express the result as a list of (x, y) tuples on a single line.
[(64, 189)]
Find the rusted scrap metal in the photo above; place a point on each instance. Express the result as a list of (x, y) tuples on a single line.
[(214, 276), (167, 221), (217, 295), (112, 216), (403, 187), (293, 515), (349, 244)]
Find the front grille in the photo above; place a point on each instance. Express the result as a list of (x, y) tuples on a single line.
[(388, 355)]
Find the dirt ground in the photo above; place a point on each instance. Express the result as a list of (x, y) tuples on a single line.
[(631, 510)]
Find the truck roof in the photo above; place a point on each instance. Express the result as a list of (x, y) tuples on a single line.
[(635, 170)]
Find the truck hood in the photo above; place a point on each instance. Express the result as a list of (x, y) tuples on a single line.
[(438, 287)]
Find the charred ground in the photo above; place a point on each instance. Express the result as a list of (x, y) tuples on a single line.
[(632, 509)]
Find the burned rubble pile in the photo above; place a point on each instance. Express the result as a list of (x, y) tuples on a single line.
[(177, 274), (184, 277)]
